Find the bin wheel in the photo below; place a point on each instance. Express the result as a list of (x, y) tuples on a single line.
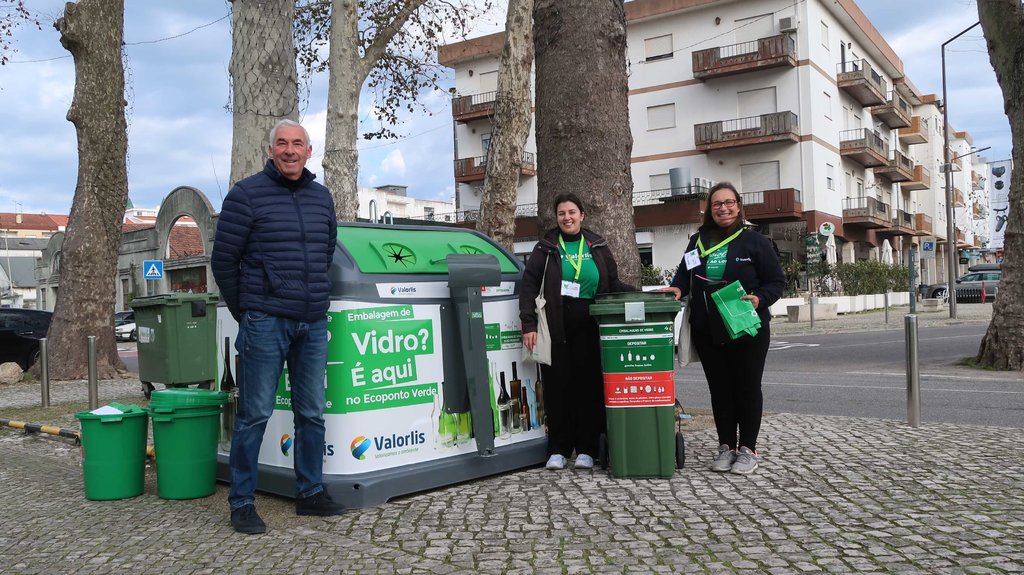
[(602, 450), (147, 389), (680, 450)]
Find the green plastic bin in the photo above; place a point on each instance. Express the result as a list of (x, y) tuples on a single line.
[(114, 453), (179, 399), (177, 338), (639, 382), (185, 441)]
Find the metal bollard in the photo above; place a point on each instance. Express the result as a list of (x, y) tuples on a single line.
[(94, 394), (44, 373), (886, 307), (913, 373)]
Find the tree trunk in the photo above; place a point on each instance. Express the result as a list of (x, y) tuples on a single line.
[(92, 30), (341, 159), (264, 85), (348, 72), (512, 117), (1003, 345), (583, 135)]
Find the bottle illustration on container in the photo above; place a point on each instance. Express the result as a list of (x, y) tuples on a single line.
[(530, 391), (504, 409), (227, 384), (539, 392), (515, 392), (447, 428), (464, 427), (524, 413), (494, 402)]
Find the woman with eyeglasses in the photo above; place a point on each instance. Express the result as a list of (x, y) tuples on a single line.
[(723, 251)]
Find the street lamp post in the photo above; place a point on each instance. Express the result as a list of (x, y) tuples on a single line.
[(950, 223)]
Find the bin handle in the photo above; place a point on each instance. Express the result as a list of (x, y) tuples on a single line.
[(162, 418)]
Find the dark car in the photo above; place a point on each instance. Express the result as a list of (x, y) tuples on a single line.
[(20, 332)]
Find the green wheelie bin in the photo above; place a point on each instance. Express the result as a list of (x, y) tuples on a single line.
[(177, 339), (637, 342)]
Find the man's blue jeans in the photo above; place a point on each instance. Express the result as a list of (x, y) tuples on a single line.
[(266, 343)]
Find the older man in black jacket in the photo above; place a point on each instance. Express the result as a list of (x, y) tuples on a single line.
[(276, 235)]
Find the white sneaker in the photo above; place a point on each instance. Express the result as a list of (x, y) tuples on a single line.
[(556, 461), (584, 461)]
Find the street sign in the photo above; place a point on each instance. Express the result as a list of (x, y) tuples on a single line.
[(928, 249), (813, 248), (153, 269), (826, 229)]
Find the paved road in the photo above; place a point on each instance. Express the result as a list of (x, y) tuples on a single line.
[(864, 374)]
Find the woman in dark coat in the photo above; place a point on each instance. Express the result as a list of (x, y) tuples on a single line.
[(723, 251), (579, 266)]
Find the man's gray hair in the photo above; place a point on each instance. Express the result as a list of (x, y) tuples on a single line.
[(283, 123)]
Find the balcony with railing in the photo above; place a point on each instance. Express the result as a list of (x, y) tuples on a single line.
[(902, 224), (976, 181), (773, 205), (473, 107), (895, 112), (923, 224), (864, 147), (916, 132), (899, 168), (922, 179), (671, 207), (861, 82), (958, 197), (475, 169), (866, 212), (960, 238), (753, 130), (771, 52)]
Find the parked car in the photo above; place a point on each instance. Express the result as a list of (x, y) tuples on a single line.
[(20, 332), (126, 331), (989, 280), (121, 317)]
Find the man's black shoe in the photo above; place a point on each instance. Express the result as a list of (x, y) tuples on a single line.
[(246, 520), (319, 504)]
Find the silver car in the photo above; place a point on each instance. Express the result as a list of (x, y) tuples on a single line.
[(971, 283)]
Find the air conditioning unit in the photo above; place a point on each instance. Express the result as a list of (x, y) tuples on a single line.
[(787, 24)]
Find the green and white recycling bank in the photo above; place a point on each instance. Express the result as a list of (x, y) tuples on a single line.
[(415, 362)]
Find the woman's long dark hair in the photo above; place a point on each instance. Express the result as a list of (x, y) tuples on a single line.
[(567, 197), (709, 220)]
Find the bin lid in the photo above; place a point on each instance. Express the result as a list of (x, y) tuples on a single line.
[(654, 302), (187, 397), (422, 250), (171, 299), (126, 411)]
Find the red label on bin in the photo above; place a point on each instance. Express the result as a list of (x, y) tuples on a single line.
[(643, 389)]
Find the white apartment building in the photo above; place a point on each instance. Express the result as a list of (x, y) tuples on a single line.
[(802, 105), (390, 202)]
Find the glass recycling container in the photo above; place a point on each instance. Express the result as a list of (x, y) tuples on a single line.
[(423, 327)]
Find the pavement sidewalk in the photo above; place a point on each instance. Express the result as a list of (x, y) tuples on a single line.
[(833, 495)]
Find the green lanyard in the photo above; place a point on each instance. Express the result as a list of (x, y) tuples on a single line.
[(578, 264), (704, 253)]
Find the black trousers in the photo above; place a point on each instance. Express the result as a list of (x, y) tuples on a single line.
[(574, 385), (734, 373)]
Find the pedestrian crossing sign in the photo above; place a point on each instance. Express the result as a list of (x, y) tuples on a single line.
[(153, 269)]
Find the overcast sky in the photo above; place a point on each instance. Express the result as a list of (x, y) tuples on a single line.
[(180, 132)]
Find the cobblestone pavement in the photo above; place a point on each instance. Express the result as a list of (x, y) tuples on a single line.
[(832, 495)]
